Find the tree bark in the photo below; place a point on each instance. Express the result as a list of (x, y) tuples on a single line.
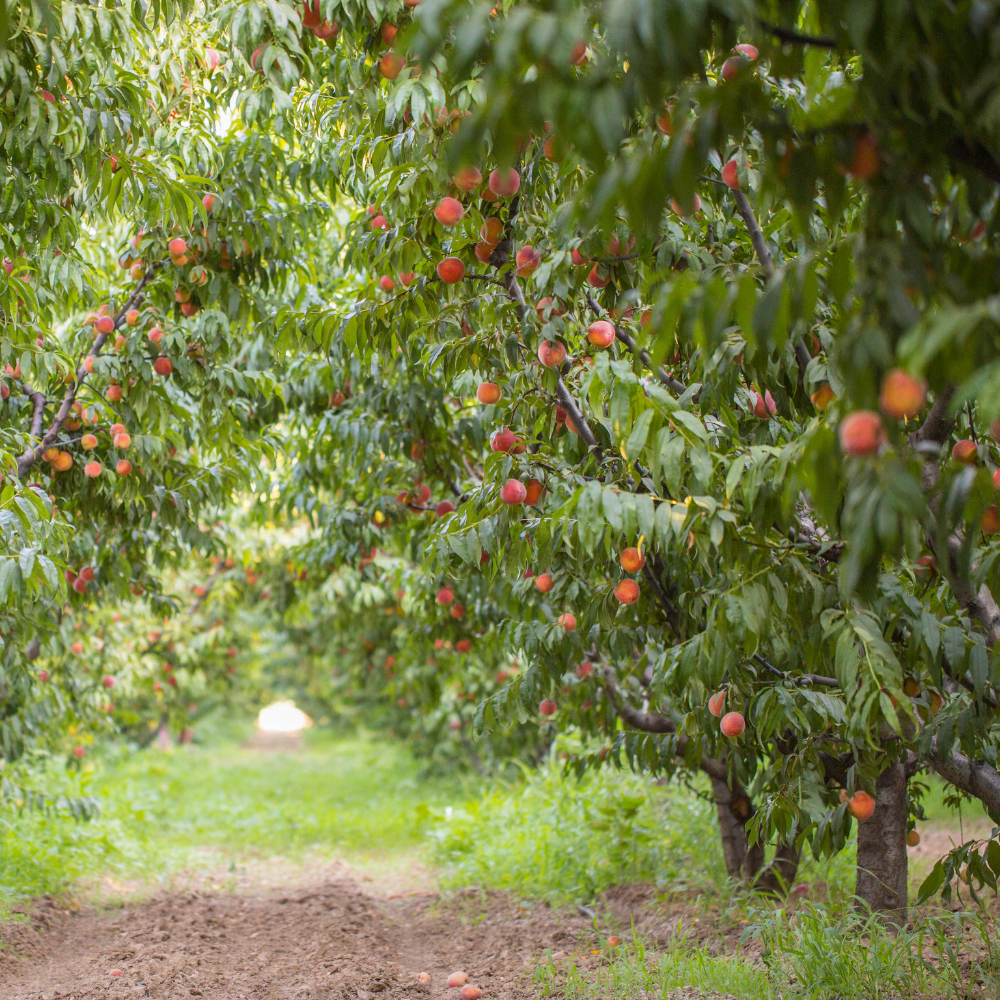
[(882, 861), (731, 830)]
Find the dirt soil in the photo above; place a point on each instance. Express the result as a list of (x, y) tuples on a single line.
[(330, 940)]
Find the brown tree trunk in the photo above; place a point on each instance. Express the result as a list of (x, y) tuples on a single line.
[(778, 876), (881, 877), (731, 829)]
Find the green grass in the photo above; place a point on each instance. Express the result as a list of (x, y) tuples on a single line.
[(209, 806)]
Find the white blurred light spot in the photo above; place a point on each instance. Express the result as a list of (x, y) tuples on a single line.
[(282, 717)]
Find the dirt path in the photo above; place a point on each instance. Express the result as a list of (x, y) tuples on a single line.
[(329, 941)]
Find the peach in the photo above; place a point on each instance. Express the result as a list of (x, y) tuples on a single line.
[(730, 175), (716, 703), (43, 676), (132, 317), (406, 278), (177, 247), (105, 325), (543, 583), (535, 490), (451, 270), (902, 395), (137, 272), (389, 32), (88, 442), (861, 806), (87, 573), (488, 393), (503, 440), (391, 64), (614, 940), (578, 54), (379, 222), (867, 159), (326, 30), (504, 183), (548, 307), (491, 230), (911, 687), (965, 452), (108, 681), (458, 979), (584, 670), (528, 259), (78, 751), (80, 585), (595, 278), (764, 406), (163, 366), (665, 123), (463, 645), (823, 397), (632, 560), (861, 433), (568, 621), (483, 251), (552, 355), (63, 462), (190, 308), (386, 283), (996, 479), (553, 149), (120, 342), (113, 394), (92, 470), (457, 611), (733, 724), (445, 596), (991, 521), (123, 467), (912, 838), (209, 200), (468, 178), (577, 258), (155, 335), (449, 212), (444, 508), (627, 591), (750, 51), (601, 333), (470, 992), (730, 68), (513, 492), (692, 209), (122, 440), (547, 707)]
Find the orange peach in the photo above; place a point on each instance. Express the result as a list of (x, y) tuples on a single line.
[(965, 452), (449, 211), (732, 725), (488, 393), (551, 354), (861, 433), (568, 621), (632, 560), (535, 490), (902, 395), (861, 806), (716, 703), (391, 64), (468, 178), (504, 183), (451, 270), (627, 591), (823, 397), (601, 333), (543, 583), (513, 492)]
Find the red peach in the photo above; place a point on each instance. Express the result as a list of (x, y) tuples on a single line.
[(163, 366), (595, 278), (155, 335), (92, 470), (503, 440), (716, 703), (389, 32), (483, 251), (177, 247), (445, 596), (632, 560), (764, 406), (122, 440), (386, 283), (451, 270), (105, 325), (468, 178), (578, 54), (543, 583), (823, 397), (584, 670), (113, 394), (902, 395), (627, 591), (379, 222), (730, 67), (88, 442), (488, 393), (528, 259), (965, 452), (535, 490), (547, 707), (750, 51), (444, 508), (504, 183), (733, 724), (123, 467), (449, 212), (568, 621), (730, 175), (491, 230), (132, 317), (513, 492), (861, 433), (406, 278), (209, 200), (991, 521), (601, 333), (79, 752), (108, 681), (391, 64), (867, 159), (552, 355)]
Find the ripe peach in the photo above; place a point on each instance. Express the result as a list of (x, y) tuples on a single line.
[(177, 247), (488, 392), (911, 687), (568, 621), (912, 838), (503, 440), (730, 175), (108, 681), (823, 397), (601, 333), (764, 406), (190, 308), (451, 270), (535, 490), (43, 676), (406, 278), (996, 479), (513, 492), (548, 308), (519, 446), (87, 573), (861, 433), (902, 395), (470, 992), (491, 230), (326, 30), (991, 521), (123, 467), (386, 283), (750, 51), (504, 183), (445, 596), (113, 394), (584, 670), (132, 317), (458, 979), (547, 707), (449, 211), (632, 560), (965, 452), (391, 64), (543, 583), (627, 591), (122, 440), (483, 251), (861, 806), (105, 325), (63, 462), (88, 442), (92, 470), (733, 724), (553, 149), (730, 68), (463, 645), (614, 940), (80, 585), (389, 32), (578, 54), (577, 258), (88, 363), (137, 272), (155, 335), (379, 222), (665, 123), (693, 209), (163, 366), (867, 159), (552, 355), (468, 178), (528, 259), (716, 703), (444, 508), (78, 751), (595, 278)]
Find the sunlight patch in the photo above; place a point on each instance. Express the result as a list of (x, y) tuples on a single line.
[(282, 717)]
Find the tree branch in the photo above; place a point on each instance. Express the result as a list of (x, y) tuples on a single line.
[(797, 38), (753, 228), (976, 777)]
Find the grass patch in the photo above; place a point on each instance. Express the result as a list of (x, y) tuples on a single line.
[(163, 812)]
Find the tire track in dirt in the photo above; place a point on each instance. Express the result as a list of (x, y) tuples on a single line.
[(329, 941)]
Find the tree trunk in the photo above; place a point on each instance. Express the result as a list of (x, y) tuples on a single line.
[(731, 829), (778, 876), (881, 877)]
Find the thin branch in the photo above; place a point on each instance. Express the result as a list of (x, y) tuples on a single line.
[(797, 37), (753, 228), (574, 415)]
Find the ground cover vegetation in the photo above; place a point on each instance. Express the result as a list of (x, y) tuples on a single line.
[(624, 366)]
